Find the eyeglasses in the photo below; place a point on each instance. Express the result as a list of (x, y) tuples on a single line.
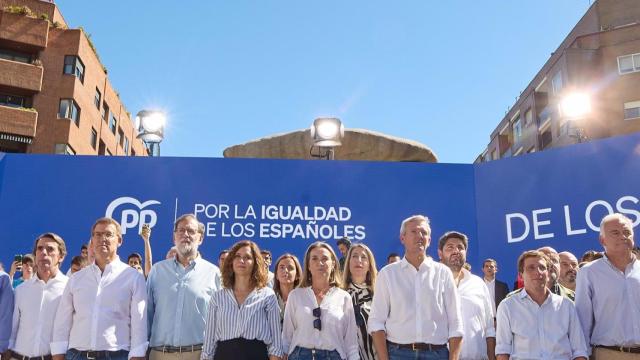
[(189, 232), (105, 234), (317, 323)]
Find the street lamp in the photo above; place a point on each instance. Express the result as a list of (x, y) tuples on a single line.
[(326, 133), (575, 106), (150, 125)]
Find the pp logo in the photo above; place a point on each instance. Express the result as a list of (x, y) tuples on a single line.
[(132, 218)]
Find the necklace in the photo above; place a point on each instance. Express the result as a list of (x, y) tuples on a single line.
[(320, 293)]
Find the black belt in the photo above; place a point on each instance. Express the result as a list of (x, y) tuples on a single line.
[(624, 349), (15, 355), (419, 346), (177, 349), (100, 354)]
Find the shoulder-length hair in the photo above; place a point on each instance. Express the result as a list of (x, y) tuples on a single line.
[(335, 278), (296, 264), (372, 272), (259, 275)]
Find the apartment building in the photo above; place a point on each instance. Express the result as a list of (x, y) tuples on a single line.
[(598, 66), (55, 95)]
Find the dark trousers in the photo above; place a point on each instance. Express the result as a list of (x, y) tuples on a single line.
[(241, 349)]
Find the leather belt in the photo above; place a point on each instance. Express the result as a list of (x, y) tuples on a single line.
[(624, 349), (419, 346), (15, 355), (177, 349), (100, 354)]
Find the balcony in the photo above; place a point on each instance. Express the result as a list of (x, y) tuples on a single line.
[(18, 121), (24, 30), (19, 75)]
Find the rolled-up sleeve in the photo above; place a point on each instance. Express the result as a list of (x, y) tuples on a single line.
[(584, 305), (139, 324), (504, 336), (351, 331), (490, 329), (64, 318), (273, 319), (380, 305), (452, 307), (576, 337), (209, 344)]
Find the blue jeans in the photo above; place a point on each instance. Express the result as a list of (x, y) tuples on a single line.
[(73, 354), (300, 353), (398, 353)]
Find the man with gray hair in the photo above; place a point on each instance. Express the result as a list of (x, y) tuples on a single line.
[(179, 290), (607, 293), (416, 306), (37, 300)]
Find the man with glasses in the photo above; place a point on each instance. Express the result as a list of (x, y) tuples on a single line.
[(102, 314), (179, 290), (416, 306)]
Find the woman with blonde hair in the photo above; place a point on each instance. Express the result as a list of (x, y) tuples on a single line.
[(244, 319), (319, 322), (359, 280), (288, 274)]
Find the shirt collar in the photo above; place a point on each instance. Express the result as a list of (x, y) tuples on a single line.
[(523, 294), (426, 262), (59, 277), (192, 263), (115, 264)]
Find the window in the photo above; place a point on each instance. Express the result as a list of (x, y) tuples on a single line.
[(12, 100), (15, 56), (64, 149), (528, 117), (517, 130), (73, 66), (94, 138), (556, 82), (545, 138), (69, 110), (112, 123), (105, 111), (97, 99), (126, 146), (628, 63), (119, 137), (632, 110)]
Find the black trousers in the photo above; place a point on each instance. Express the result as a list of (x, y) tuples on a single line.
[(241, 349)]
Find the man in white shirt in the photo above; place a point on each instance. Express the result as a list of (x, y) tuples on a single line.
[(36, 300), (179, 291), (477, 308), (497, 289), (535, 323), (416, 306), (607, 293), (102, 313)]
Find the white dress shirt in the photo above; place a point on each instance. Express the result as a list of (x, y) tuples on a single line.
[(416, 306), (491, 285), (35, 308), (477, 315), (103, 311), (550, 331), (339, 329), (607, 301)]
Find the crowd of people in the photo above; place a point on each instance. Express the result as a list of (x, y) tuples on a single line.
[(326, 307)]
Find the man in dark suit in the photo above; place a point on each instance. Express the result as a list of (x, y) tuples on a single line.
[(497, 288)]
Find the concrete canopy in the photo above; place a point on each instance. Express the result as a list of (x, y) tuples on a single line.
[(358, 144)]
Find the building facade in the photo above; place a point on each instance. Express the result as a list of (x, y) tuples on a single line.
[(598, 64), (55, 96)]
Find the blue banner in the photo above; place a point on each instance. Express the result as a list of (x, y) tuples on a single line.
[(555, 198)]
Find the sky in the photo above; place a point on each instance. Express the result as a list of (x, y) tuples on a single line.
[(442, 73)]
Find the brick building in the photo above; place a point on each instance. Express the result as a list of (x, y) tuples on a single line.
[(55, 96), (600, 58)]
